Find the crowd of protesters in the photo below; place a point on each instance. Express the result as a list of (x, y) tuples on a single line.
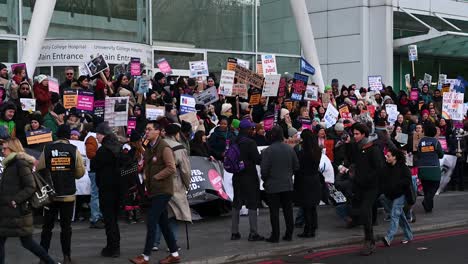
[(361, 146)]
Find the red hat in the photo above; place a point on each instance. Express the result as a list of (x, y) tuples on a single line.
[(425, 111)]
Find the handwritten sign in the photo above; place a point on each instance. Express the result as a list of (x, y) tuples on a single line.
[(153, 112), (28, 104), (240, 90), (452, 106), (226, 82), (269, 64), (375, 82), (249, 77), (272, 82)]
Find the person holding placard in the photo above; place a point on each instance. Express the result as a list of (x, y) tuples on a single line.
[(424, 95), (123, 89), (55, 118), (35, 124), (7, 112), (41, 92), (19, 75), (69, 80)]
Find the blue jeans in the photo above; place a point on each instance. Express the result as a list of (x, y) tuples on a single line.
[(397, 217), (96, 214), (299, 217), (157, 215), (28, 243), (172, 225), (414, 179)]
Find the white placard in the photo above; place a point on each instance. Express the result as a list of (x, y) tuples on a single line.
[(311, 93), (453, 83), (392, 112), (153, 112), (226, 82), (375, 82), (442, 79), (413, 53), (270, 88), (243, 63), (331, 116), (116, 111), (269, 64), (198, 68), (28, 104), (452, 106), (427, 79)]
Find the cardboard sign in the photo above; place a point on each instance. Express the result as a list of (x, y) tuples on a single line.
[(85, 101), (416, 138), (243, 63), (116, 111), (191, 118), (414, 94), (249, 77), (187, 104), (43, 135), (164, 66), (240, 89), (154, 112), (143, 84), (269, 64), (375, 82), (371, 109), (272, 82), (452, 106), (198, 68), (442, 78), (231, 64), (412, 53), (311, 93), (259, 68), (331, 116), (53, 85), (226, 82), (344, 112), (131, 125), (135, 67), (325, 100), (427, 79), (96, 65), (255, 96), (392, 113), (28, 104), (70, 98), (120, 69), (282, 87), (207, 97), (99, 108), (299, 86)]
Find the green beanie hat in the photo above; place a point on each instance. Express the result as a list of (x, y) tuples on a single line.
[(235, 123)]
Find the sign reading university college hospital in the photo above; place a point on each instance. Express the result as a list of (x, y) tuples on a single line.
[(77, 52)]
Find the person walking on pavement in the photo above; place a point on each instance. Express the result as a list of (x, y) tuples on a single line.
[(429, 153), (17, 186), (246, 183), (279, 161), (367, 160), (307, 182), (63, 163), (159, 176), (395, 184), (108, 181)]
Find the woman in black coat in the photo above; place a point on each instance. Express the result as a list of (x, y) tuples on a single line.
[(198, 145), (307, 181), (16, 188)]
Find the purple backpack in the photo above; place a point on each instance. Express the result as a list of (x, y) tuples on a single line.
[(232, 162)]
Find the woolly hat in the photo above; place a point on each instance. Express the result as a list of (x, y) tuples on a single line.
[(8, 106), (425, 111), (37, 117), (292, 131), (246, 123), (75, 132), (283, 112), (225, 107), (103, 129), (328, 88), (63, 131), (235, 123), (59, 109), (41, 78), (244, 106), (339, 127), (387, 98)]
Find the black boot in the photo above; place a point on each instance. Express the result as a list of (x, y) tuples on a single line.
[(368, 249)]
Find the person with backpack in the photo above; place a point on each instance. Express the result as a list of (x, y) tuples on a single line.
[(105, 165), (63, 163), (243, 157)]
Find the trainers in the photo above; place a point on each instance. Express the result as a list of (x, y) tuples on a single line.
[(155, 249), (405, 241), (386, 241), (368, 249), (139, 260), (255, 237), (169, 259)]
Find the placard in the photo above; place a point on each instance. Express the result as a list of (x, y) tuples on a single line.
[(272, 82), (299, 86), (120, 69), (53, 85), (28, 104), (442, 78), (427, 79), (249, 77), (42, 135), (70, 98), (331, 116), (259, 68), (282, 87), (226, 82), (198, 68), (375, 82), (207, 96), (392, 112), (240, 89), (401, 138), (269, 64), (243, 63), (187, 104), (96, 65), (164, 66), (311, 93), (85, 101), (231, 64), (131, 125), (83, 70), (116, 111), (99, 108), (344, 112), (135, 67), (255, 96), (154, 112), (452, 106), (191, 118), (143, 84), (413, 53)]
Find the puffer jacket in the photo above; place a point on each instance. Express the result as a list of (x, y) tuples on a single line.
[(16, 184)]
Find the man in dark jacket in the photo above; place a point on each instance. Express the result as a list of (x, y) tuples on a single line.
[(279, 161), (63, 162), (106, 166), (246, 183), (69, 79)]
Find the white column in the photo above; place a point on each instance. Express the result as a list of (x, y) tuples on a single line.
[(306, 35), (40, 20)]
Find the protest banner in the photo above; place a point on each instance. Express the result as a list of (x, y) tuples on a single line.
[(375, 82), (143, 84), (331, 116), (131, 125), (135, 67), (282, 87), (259, 68), (187, 104), (191, 118), (42, 135), (207, 96), (269, 64), (299, 86), (452, 106), (70, 98), (311, 93), (247, 76), (412, 53), (240, 89), (116, 111), (85, 101), (154, 112), (414, 94), (243, 63), (53, 85), (96, 65), (392, 113), (23, 65), (99, 108), (198, 68), (344, 112), (28, 104), (255, 96), (442, 78), (427, 79), (119, 69), (226, 82), (272, 82), (206, 183), (164, 66), (231, 64)]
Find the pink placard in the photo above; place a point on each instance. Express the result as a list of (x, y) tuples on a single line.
[(85, 101), (53, 85), (131, 124), (135, 68)]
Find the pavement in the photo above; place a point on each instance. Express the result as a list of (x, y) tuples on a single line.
[(210, 238)]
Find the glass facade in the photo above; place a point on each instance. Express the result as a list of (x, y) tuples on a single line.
[(8, 22), (8, 51)]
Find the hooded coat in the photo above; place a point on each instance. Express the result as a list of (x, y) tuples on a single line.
[(106, 166), (16, 184)]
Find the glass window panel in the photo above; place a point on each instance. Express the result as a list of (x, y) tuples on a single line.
[(218, 62), (42, 70), (210, 24), (177, 60), (8, 51), (8, 16), (98, 20), (276, 28), (287, 65)]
